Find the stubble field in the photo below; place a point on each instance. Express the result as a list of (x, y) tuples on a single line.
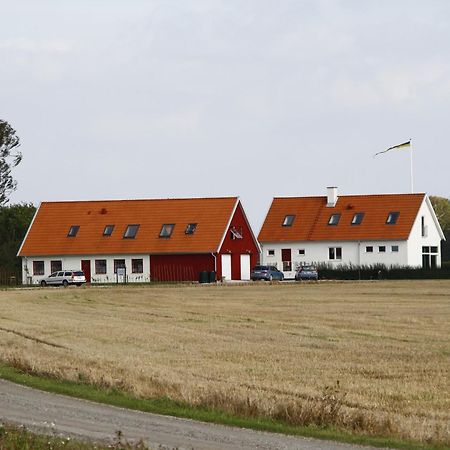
[(370, 357)]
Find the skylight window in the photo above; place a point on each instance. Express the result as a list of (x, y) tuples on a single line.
[(166, 230), (131, 231), (108, 230), (190, 229), (392, 217), (73, 230), (357, 218), (334, 219), (288, 220)]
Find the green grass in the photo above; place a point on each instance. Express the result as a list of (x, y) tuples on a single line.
[(169, 407)]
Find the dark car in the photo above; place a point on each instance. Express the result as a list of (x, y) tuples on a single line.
[(306, 273), (267, 273)]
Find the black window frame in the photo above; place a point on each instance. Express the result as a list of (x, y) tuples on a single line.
[(392, 217), (357, 218), (164, 233), (190, 228), (108, 230), (128, 234), (288, 220), (369, 248), (334, 219), (73, 230)]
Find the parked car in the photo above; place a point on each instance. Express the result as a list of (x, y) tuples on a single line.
[(267, 273), (64, 278), (307, 273)]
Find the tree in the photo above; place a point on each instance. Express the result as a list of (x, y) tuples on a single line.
[(10, 157), (14, 223), (441, 207)]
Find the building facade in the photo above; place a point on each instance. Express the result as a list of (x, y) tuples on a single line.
[(390, 229), (140, 240)]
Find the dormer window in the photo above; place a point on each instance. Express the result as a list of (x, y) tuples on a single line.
[(73, 230), (131, 231), (357, 218), (334, 219), (166, 230), (392, 218), (190, 229), (108, 230), (288, 220)]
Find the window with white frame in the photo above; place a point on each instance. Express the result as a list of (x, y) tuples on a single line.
[(270, 252), (394, 248), (381, 249), (100, 266), (335, 253), (369, 249), (38, 267), (301, 252), (137, 266)]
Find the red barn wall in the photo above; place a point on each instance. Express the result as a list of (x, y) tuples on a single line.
[(236, 247), (179, 267)]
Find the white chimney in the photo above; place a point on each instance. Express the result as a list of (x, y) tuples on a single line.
[(332, 196)]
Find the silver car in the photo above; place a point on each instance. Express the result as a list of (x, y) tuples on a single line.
[(64, 278), (307, 273)]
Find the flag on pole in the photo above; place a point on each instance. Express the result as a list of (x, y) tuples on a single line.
[(395, 147)]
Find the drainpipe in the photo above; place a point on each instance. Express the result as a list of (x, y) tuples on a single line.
[(359, 260), (215, 262)]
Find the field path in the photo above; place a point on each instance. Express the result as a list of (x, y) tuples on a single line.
[(61, 415)]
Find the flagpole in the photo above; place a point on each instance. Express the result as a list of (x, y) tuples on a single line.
[(411, 165)]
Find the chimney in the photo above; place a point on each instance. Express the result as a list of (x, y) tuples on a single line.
[(332, 196)]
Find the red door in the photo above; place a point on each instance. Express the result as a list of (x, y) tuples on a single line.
[(286, 256), (86, 268)]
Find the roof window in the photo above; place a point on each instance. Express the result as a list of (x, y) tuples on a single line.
[(392, 218), (334, 219), (190, 229), (288, 220), (131, 231), (357, 218), (166, 230), (73, 230), (108, 230)]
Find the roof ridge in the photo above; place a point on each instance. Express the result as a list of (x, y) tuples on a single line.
[(234, 197)]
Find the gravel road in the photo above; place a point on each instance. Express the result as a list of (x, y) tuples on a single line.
[(67, 416)]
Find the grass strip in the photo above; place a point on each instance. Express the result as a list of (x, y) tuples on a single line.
[(166, 406)]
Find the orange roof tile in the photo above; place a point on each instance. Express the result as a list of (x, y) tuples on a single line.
[(48, 232), (312, 216)]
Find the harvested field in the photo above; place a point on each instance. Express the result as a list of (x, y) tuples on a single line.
[(373, 357)]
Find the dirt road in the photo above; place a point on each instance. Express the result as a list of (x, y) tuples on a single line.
[(58, 414)]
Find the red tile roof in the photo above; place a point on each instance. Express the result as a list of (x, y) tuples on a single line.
[(312, 216), (48, 233)]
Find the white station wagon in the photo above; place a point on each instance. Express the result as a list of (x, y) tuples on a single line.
[(64, 278)]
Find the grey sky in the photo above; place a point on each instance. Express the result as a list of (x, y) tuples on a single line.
[(178, 98)]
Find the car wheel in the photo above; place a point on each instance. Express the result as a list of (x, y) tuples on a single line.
[(43, 283), (65, 283), (270, 277)]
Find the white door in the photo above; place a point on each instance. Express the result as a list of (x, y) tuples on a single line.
[(245, 267), (226, 267)]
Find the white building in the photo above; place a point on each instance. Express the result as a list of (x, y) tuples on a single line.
[(389, 229)]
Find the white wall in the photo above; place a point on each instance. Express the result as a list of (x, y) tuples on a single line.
[(74, 263), (353, 252), (416, 241)]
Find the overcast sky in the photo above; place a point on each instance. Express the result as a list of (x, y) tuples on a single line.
[(256, 98)]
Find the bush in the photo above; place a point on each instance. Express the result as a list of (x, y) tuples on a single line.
[(382, 272)]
